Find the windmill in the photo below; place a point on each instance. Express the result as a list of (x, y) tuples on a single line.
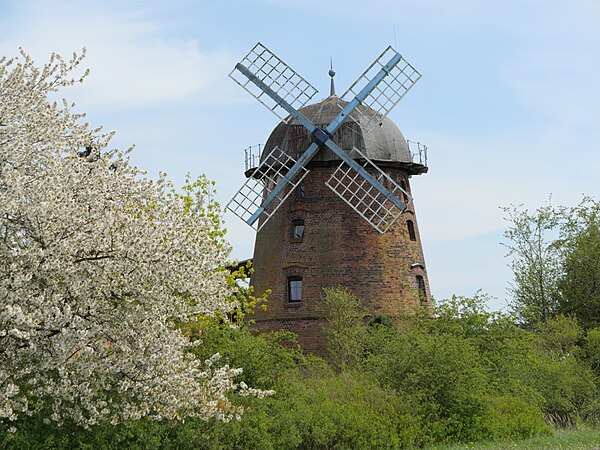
[(358, 181), (321, 158)]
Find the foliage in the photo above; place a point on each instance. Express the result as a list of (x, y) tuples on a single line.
[(579, 284), (462, 376), (266, 358), (98, 266), (448, 369), (244, 299), (591, 349), (556, 262), (536, 261), (573, 439), (344, 314)]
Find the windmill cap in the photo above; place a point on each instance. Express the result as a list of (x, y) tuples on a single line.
[(384, 144)]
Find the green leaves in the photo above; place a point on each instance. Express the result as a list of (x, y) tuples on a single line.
[(579, 283), (536, 261), (556, 262)]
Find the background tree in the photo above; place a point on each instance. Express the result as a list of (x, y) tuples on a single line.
[(98, 267), (579, 282), (535, 261), (556, 262)]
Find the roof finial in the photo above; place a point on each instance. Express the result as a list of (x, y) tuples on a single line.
[(331, 74)]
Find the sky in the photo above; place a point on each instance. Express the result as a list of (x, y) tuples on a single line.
[(508, 105)]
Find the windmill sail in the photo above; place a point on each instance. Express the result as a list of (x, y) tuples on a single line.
[(270, 173), (282, 90), (363, 197), (266, 67), (386, 95)]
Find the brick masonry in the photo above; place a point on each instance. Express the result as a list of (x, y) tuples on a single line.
[(339, 248)]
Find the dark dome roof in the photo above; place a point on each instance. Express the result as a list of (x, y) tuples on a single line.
[(384, 144)]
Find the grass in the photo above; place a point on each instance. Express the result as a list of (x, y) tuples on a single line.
[(582, 439)]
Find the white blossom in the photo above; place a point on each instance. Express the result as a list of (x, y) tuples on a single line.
[(98, 267)]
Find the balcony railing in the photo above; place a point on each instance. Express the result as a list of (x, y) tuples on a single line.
[(252, 156), (418, 152)]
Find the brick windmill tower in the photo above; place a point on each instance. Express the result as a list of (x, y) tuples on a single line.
[(330, 197)]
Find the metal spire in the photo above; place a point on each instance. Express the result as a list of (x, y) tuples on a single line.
[(331, 74)]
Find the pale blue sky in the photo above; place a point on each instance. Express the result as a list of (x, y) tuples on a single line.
[(509, 102)]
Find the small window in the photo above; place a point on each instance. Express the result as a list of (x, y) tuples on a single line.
[(298, 229), (294, 289), (301, 192), (405, 191), (411, 230), (421, 287)]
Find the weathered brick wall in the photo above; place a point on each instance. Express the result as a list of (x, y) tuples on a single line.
[(309, 332), (339, 248)]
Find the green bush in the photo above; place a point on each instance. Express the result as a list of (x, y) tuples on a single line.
[(591, 350), (511, 417), (463, 376)]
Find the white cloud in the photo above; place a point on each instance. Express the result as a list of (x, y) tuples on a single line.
[(133, 65)]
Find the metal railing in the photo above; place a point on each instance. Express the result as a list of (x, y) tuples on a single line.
[(252, 156), (418, 152)]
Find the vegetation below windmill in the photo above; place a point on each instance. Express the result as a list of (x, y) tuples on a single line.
[(464, 376)]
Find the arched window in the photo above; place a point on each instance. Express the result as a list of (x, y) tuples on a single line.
[(294, 284), (300, 190), (411, 230), (297, 229), (421, 287), (406, 192)]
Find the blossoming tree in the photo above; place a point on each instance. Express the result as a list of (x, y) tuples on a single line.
[(99, 267)]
